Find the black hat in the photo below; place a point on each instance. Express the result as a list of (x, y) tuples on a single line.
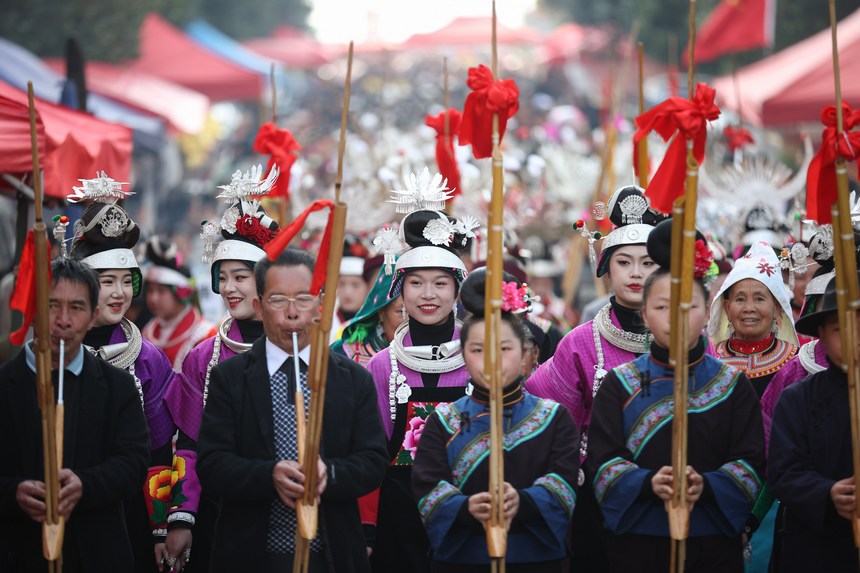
[(826, 306), (630, 212), (166, 267), (659, 247), (516, 297)]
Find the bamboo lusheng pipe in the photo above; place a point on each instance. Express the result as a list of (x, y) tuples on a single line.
[(642, 147), (54, 524), (496, 527), (683, 256), (847, 288), (307, 510)]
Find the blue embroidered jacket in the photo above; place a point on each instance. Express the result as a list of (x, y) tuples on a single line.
[(541, 460), (631, 438)]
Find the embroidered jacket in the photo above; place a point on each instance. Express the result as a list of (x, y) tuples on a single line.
[(541, 456), (631, 438)]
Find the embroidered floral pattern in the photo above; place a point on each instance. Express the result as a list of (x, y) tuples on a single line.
[(532, 425), (431, 502), (416, 415), (608, 474), (560, 488), (745, 477), (449, 416), (177, 480), (158, 484), (766, 269), (661, 411), (757, 364)]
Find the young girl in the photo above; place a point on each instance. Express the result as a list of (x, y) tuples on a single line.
[(631, 442), (450, 475)]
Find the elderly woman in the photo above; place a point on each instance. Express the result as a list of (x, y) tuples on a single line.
[(751, 329)]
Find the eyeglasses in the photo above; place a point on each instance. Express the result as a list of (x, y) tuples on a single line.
[(303, 302)]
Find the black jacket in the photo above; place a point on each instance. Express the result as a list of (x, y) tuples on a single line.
[(237, 455), (106, 444)]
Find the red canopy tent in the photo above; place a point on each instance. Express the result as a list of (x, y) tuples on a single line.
[(169, 53), (184, 110), (75, 144), (570, 41), (475, 31), (793, 85), (291, 47)]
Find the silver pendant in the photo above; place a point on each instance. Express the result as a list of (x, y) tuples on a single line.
[(403, 392), (580, 478), (599, 375)]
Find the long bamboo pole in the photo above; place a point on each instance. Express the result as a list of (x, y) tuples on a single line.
[(496, 528), (54, 526), (642, 147), (847, 288), (683, 252), (307, 510)]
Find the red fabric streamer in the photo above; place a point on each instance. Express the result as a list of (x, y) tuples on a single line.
[(286, 234), (682, 121), (821, 176), (737, 137), (445, 158), (24, 297), (281, 146), (487, 98)]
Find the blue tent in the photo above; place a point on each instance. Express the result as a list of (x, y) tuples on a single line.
[(18, 66), (216, 41)]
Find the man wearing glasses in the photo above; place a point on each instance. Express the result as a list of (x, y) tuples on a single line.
[(247, 445)]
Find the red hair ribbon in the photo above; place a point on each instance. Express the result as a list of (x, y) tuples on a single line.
[(737, 137), (281, 146), (487, 98), (686, 120), (24, 295), (821, 176), (279, 243), (445, 158)]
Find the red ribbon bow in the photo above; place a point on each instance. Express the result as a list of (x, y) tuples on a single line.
[(487, 98), (445, 158), (737, 137), (281, 146), (280, 242), (686, 120), (821, 176)]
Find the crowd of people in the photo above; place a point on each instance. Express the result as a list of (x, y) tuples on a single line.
[(180, 434)]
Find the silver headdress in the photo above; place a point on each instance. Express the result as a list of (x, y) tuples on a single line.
[(102, 189), (422, 192)]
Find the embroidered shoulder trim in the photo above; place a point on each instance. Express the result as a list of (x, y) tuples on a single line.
[(428, 504), (661, 412), (562, 490), (745, 476), (532, 425), (759, 364), (608, 474), (449, 416)]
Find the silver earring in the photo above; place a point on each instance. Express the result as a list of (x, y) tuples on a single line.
[(774, 328), (455, 311), (730, 330), (403, 314)]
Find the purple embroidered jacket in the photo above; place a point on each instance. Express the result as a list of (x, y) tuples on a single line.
[(793, 371), (380, 369), (155, 374), (568, 377)]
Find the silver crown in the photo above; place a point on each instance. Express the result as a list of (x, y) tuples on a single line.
[(633, 207)]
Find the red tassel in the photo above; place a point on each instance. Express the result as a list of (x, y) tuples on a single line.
[(446, 160), (737, 137), (487, 98), (24, 296), (279, 243), (821, 176), (680, 120), (281, 146)]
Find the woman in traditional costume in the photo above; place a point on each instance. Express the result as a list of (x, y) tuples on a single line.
[(630, 450), (177, 325), (104, 238), (422, 367), (451, 473), (751, 329), (246, 230), (585, 355)]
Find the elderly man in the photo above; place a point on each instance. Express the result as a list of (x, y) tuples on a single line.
[(247, 445), (105, 440)]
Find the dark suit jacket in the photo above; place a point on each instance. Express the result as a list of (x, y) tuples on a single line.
[(106, 445), (237, 455)]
